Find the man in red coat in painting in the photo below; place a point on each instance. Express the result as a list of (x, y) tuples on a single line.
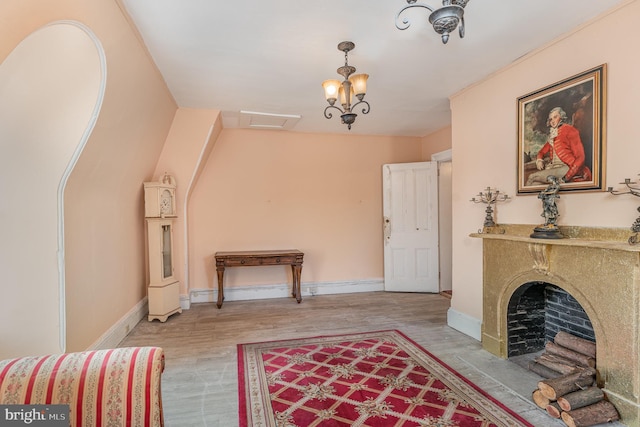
[(562, 155)]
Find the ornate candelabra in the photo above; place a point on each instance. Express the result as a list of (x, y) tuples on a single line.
[(490, 196), (634, 190)]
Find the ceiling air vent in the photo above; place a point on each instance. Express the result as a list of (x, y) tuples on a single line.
[(255, 120)]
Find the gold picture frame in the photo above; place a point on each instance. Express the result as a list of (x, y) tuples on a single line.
[(561, 132)]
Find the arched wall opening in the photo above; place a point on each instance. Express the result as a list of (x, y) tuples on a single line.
[(51, 89)]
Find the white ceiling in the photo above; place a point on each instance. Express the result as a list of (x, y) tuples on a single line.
[(271, 56)]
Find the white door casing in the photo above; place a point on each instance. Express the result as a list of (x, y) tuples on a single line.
[(410, 219), (444, 218)]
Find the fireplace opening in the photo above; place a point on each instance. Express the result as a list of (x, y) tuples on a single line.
[(537, 311)]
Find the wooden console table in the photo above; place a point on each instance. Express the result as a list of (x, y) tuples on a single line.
[(292, 257)]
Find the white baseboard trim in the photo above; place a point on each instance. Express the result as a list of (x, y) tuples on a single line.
[(283, 290), (464, 323), (185, 302), (122, 327)]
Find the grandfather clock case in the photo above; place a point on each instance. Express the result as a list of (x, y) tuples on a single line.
[(160, 212)]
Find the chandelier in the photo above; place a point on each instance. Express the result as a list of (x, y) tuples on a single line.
[(355, 84), (444, 20)]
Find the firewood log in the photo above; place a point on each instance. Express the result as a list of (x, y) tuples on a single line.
[(579, 358), (553, 388), (557, 363), (553, 409), (572, 342), (543, 371), (579, 399), (539, 399), (598, 413)]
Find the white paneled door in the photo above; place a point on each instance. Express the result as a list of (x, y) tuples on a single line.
[(410, 210)]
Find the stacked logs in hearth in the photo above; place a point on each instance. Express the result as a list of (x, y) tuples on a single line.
[(569, 391)]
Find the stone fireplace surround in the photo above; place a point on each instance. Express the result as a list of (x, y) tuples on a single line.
[(600, 270)]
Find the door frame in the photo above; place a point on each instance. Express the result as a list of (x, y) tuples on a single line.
[(444, 234)]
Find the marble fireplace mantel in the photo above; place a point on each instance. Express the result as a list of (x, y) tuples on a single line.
[(603, 238), (599, 268)]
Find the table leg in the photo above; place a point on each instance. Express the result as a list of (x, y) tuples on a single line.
[(297, 272), (220, 271)]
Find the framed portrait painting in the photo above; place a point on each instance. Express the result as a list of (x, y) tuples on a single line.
[(561, 132)]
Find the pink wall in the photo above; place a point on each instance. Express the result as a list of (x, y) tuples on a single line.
[(436, 142), (104, 232), (193, 135), (485, 142), (321, 194)]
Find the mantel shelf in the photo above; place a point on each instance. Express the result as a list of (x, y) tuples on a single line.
[(598, 238)]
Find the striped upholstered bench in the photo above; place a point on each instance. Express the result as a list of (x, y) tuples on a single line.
[(118, 387)]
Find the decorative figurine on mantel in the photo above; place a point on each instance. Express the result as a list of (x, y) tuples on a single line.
[(490, 196), (549, 230), (635, 191)]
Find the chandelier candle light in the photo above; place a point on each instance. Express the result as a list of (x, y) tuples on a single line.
[(633, 189), (490, 196), (355, 84), (444, 19)]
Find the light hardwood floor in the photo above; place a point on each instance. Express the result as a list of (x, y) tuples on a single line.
[(199, 384)]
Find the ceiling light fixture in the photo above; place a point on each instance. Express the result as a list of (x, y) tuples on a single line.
[(352, 85), (444, 20)]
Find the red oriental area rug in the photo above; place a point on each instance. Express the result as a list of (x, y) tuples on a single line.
[(369, 379)]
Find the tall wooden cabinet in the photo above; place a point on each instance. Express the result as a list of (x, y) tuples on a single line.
[(160, 211)]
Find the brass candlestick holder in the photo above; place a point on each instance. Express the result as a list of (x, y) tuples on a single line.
[(490, 196), (634, 190)]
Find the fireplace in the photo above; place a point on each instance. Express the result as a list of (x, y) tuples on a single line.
[(537, 311), (599, 270)]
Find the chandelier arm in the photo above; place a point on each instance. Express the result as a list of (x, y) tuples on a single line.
[(365, 108), (405, 22), (461, 28), (328, 115)]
